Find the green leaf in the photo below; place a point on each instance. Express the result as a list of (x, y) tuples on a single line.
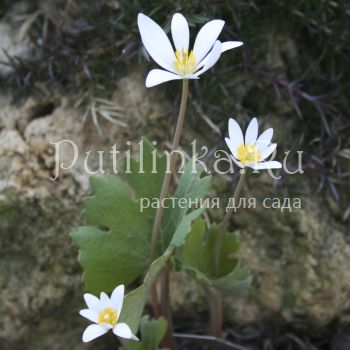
[(237, 281), (145, 176), (197, 257), (152, 333), (184, 228), (191, 188), (134, 303), (117, 250)]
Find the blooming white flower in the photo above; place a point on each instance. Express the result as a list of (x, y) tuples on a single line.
[(181, 63), (251, 150), (105, 312)]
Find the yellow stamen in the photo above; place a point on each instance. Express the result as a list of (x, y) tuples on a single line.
[(108, 316), (185, 62), (248, 154)]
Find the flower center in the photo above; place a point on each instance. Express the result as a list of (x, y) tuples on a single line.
[(248, 154), (108, 316), (185, 62)]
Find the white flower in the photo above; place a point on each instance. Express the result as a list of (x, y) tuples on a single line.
[(181, 63), (105, 312), (251, 150)]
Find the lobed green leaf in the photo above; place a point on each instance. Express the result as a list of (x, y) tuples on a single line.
[(197, 257)]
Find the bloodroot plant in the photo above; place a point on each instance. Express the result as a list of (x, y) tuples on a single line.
[(124, 245)]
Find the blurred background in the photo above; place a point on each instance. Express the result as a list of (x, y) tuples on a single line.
[(75, 70)]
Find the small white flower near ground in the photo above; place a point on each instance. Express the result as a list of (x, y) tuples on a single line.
[(251, 150), (181, 63), (104, 312)]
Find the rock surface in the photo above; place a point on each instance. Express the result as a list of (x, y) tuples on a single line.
[(298, 258)]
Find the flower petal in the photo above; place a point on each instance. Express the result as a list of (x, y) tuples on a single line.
[(190, 76), (265, 138), (237, 162), (90, 315), (211, 59), (159, 76), (235, 135), (228, 45), (268, 165), (252, 132), (180, 32), (156, 42), (106, 326), (270, 149), (224, 47), (122, 330), (92, 302), (93, 331), (251, 165), (206, 38), (231, 147), (104, 300), (117, 298)]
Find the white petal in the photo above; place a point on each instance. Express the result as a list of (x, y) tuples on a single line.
[(92, 302), (89, 314), (268, 151), (190, 76), (268, 165), (231, 147), (237, 162), (252, 132), (117, 298), (106, 326), (236, 135), (224, 47), (206, 38), (159, 76), (211, 59), (122, 330), (251, 165), (228, 45), (93, 331), (265, 138), (105, 301), (180, 32), (156, 42)]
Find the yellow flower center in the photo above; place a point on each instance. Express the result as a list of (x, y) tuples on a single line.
[(185, 62), (108, 316), (248, 154)]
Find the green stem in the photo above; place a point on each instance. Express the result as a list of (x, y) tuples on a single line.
[(168, 340), (225, 222), (215, 311), (166, 182)]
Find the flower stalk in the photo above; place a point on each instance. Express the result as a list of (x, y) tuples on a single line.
[(225, 222), (215, 311), (166, 182)]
